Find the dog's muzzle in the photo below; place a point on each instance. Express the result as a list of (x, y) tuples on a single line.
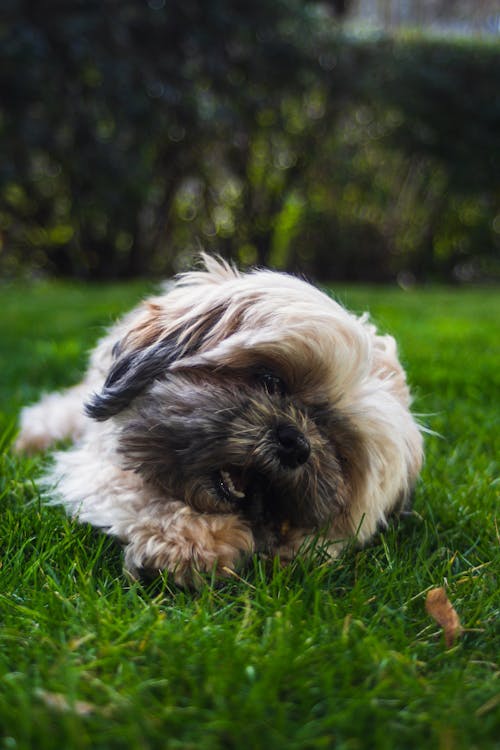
[(246, 489)]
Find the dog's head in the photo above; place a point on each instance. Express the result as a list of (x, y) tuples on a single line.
[(254, 393)]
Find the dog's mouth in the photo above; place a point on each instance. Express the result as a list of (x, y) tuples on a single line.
[(247, 492), (250, 495), (231, 485), (262, 501)]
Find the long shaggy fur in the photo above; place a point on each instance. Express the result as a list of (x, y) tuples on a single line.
[(236, 413)]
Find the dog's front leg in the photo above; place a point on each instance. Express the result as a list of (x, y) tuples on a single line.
[(187, 544)]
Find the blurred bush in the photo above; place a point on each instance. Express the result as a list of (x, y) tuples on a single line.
[(135, 133)]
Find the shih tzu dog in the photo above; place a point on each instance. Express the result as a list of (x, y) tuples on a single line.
[(237, 413)]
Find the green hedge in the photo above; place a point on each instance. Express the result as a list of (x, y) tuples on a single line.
[(407, 182), (133, 134)]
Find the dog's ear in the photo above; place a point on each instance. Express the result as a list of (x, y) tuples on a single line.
[(131, 373), (145, 354)]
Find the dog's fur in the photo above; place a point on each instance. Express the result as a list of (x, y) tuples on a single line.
[(236, 413)]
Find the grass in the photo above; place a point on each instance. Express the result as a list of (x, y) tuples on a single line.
[(311, 656)]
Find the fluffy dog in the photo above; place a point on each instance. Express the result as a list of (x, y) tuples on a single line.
[(236, 413)]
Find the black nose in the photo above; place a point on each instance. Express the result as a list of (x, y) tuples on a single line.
[(293, 446)]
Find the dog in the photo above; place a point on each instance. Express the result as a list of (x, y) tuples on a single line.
[(238, 413)]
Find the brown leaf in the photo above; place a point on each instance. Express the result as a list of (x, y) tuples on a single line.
[(60, 702), (440, 608)]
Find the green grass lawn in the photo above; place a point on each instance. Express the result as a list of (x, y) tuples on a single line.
[(311, 656)]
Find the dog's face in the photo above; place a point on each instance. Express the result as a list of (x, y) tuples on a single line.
[(243, 399), (241, 440)]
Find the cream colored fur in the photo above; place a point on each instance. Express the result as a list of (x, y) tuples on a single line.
[(330, 354)]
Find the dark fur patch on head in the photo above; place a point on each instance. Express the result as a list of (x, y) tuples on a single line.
[(117, 349), (130, 375), (136, 369)]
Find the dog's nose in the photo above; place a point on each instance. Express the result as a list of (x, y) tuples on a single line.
[(293, 446)]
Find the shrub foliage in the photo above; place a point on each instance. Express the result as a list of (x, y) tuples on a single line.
[(135, 132)]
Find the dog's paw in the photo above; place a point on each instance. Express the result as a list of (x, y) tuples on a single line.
[(187, 546), (32, 440), (295, 542), (57, 416)]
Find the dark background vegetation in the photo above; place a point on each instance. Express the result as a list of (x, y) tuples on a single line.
[(135, 133)]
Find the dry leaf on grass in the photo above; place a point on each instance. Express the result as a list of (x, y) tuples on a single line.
[(440, 608), (60, 702)]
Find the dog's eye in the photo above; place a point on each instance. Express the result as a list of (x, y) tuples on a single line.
[(273, 384)]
